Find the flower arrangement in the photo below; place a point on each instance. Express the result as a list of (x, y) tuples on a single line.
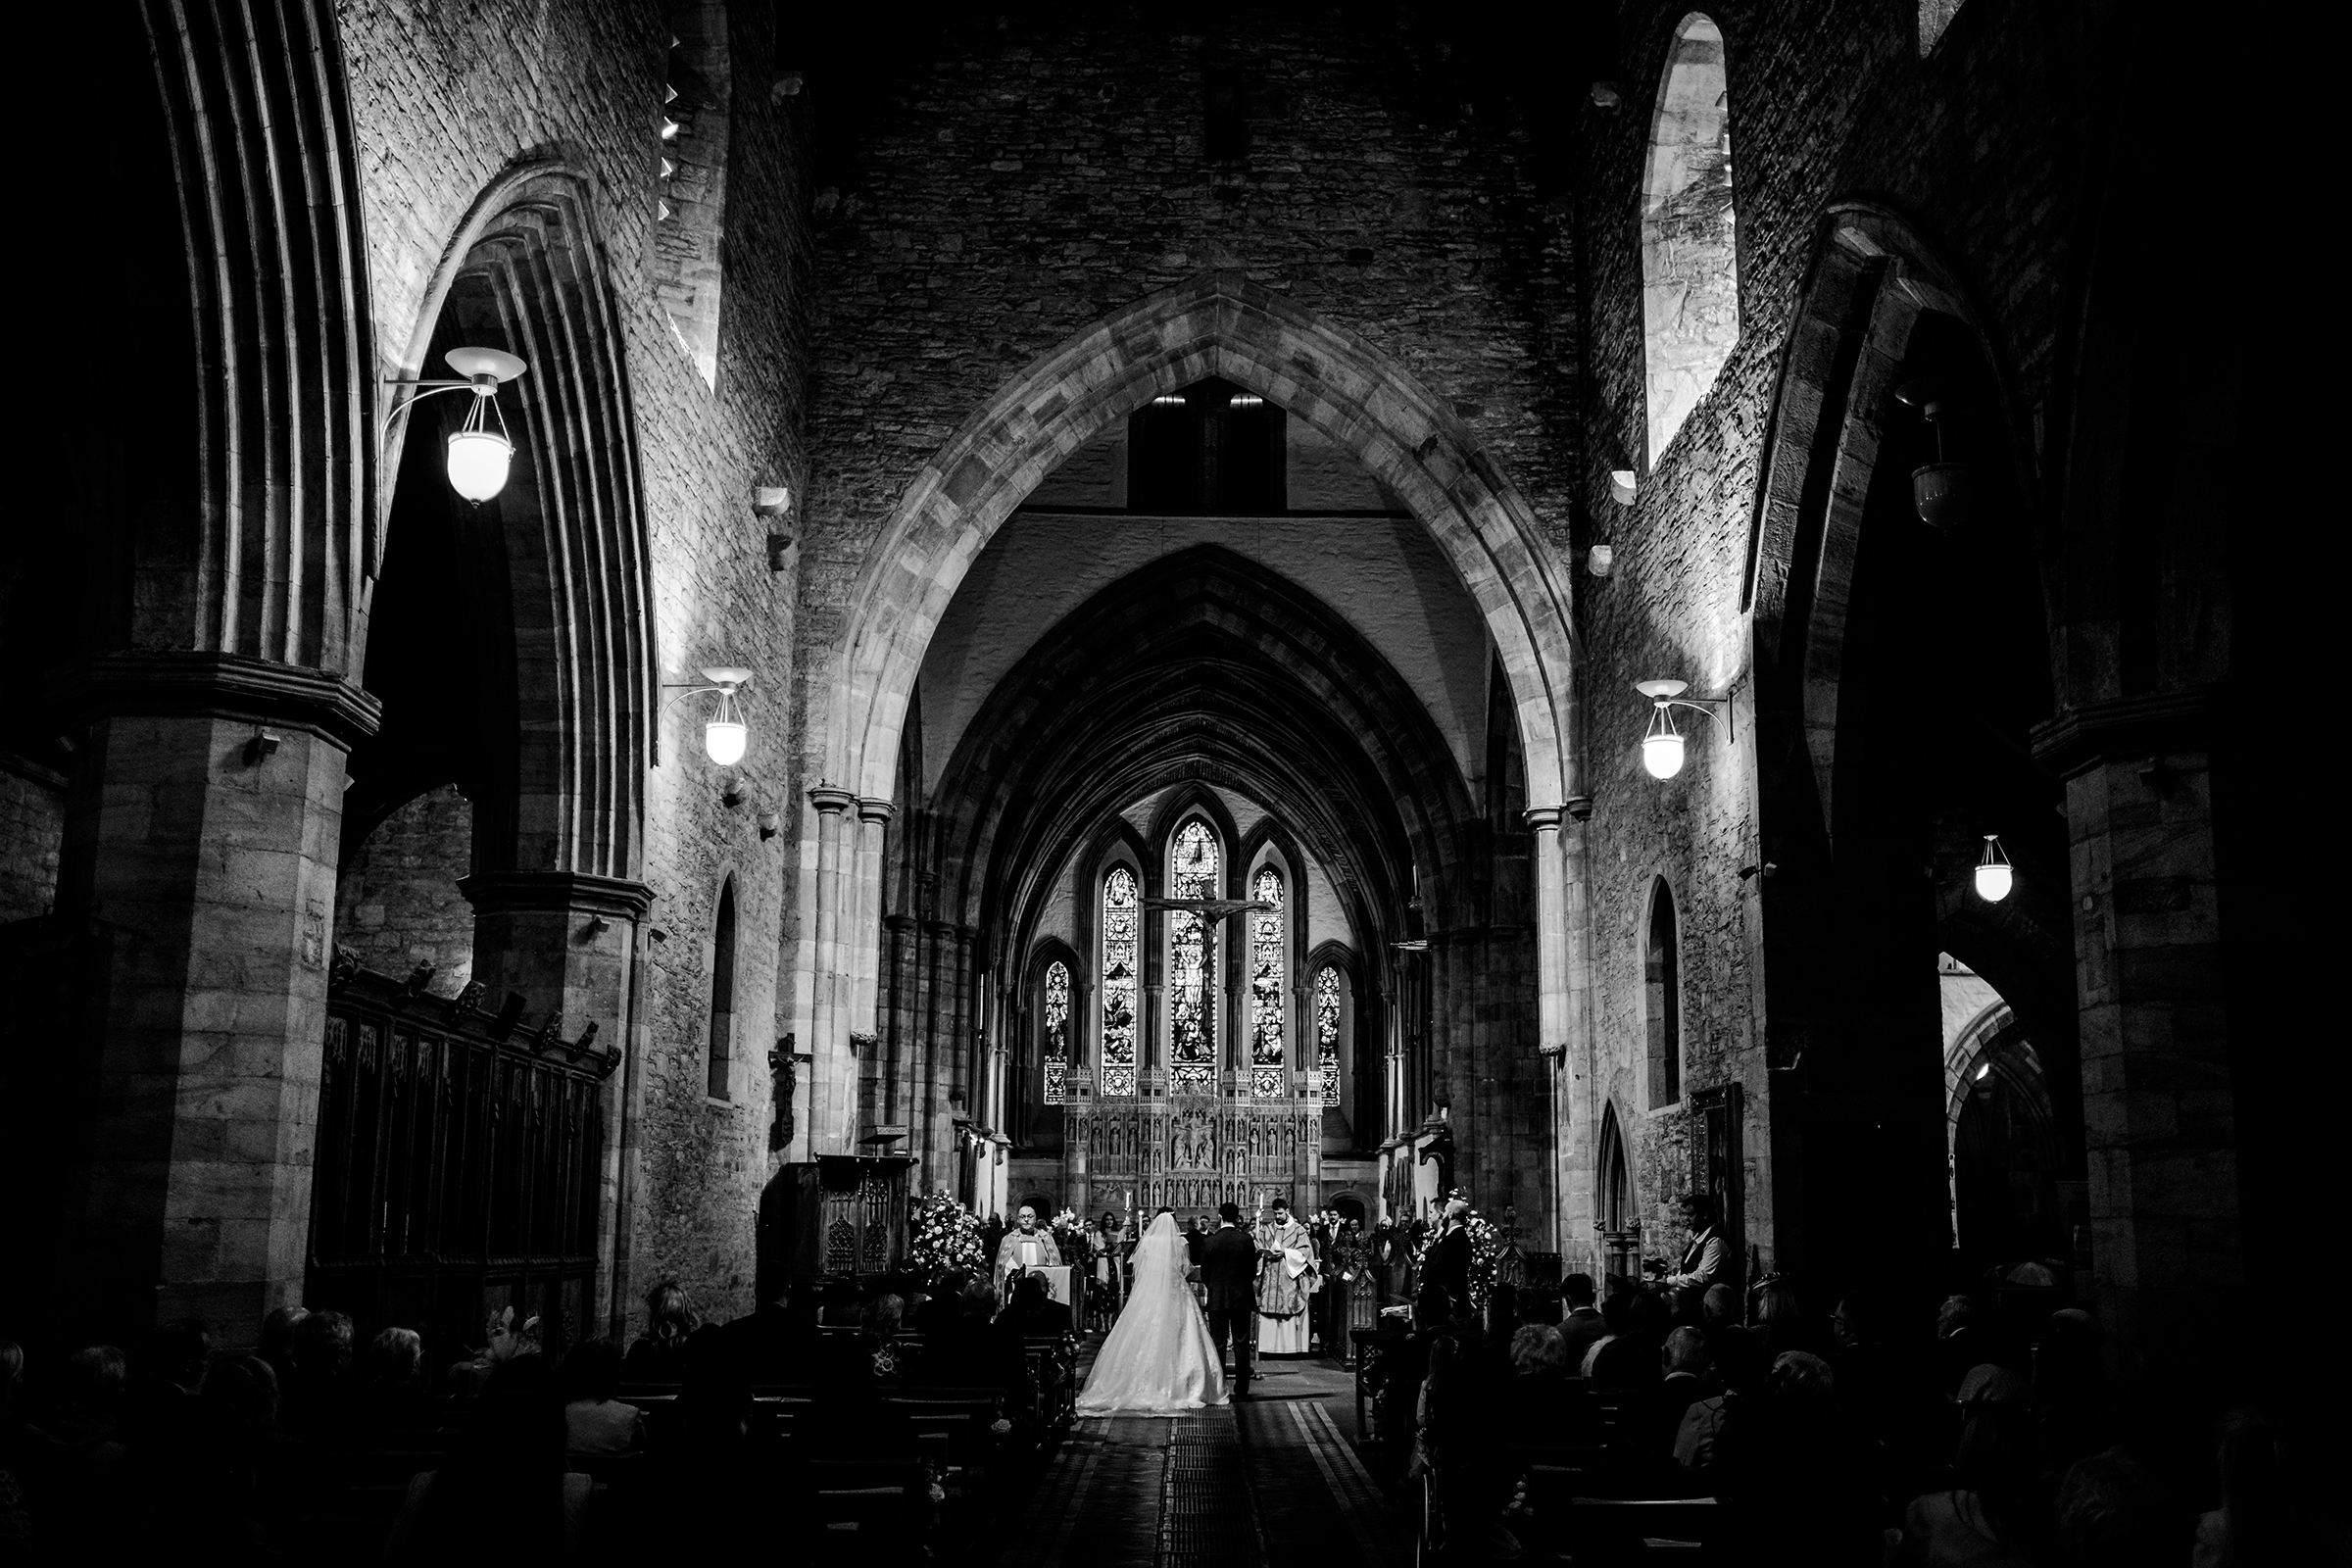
[(1485, 1251), (942, 1235)]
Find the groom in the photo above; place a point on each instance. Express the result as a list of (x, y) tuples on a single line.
[(1229, 1268)]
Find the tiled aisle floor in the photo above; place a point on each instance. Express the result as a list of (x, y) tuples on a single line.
[(1273, 1480)]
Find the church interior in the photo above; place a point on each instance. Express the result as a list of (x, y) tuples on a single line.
[(669, 647)]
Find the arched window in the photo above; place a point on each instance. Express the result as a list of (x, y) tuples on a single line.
[(1662, 997), (722, 992), (1119, 949), (1191, 958), (1326, 1030), (1053, 1032), (1689, 271), (1616, 1192), (1269, 978)]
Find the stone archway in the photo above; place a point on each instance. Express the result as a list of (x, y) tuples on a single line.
[(1217, 324)]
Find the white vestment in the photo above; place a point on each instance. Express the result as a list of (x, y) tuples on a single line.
[(1284, 1284), (1158, 1359), (1024, 1249)]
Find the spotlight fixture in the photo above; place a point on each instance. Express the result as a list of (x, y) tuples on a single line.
[(1942, 490), (725, 736), (478, 457), (1623, 485), (1994, 875), (1661, 745)]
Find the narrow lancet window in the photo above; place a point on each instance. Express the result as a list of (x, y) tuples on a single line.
[(1055, 1032), (1192, 982), (1120, 916), (1269, 978), (1327, 1031)]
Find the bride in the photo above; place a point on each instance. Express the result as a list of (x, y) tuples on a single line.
[(1158, 1359)]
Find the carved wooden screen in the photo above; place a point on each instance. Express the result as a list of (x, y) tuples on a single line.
[(458, 1165)]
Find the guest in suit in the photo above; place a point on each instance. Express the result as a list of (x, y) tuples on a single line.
[(1034, 1313), (1229, 1263), (1584, 1327), (1448, 1265)]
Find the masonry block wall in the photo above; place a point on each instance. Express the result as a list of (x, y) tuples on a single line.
[(1825, 103), (444, 101), (397, 903)]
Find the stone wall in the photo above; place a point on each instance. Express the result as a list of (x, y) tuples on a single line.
[(1827, 102), (32, 825), (444, 100), (397, 903)]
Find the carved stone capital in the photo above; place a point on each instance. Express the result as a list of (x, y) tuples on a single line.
[(829, 801), (872, 811), (498, 892), (225, 686)]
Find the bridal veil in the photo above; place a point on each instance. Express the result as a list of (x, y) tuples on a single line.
[(1158, 1359)]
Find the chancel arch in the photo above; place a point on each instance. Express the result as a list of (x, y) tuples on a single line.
[(1408, 439)]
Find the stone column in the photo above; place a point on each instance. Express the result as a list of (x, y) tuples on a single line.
[(863, 940), (564, 941), (2158, 1105), (198, 878), (905, 1106), (833, 1090)]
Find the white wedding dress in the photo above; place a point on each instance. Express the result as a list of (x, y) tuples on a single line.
[(1158, 1359)]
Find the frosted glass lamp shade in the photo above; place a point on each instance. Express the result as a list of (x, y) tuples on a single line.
[(725, 740), (1662, 754), (1994, 878), (478, 461)]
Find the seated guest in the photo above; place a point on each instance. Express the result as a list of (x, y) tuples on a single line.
[(1999, 1515), (943, 1308), (263, 1475), (659, 1353), (387, 1397), (884, 1317), (771, 1344), (2112, 1513), (1778, 1323), (1719, 1307), (594, 1421), (1535, 1406), (1582, 1326), (1629, 1362), (2070, 1390), (159, 1406), (852, 1417), (2266, 1513), (74, 1466), (1682, 1364), (836, 1305), (1741, 1367), (1034, 1313), (504, 1494), (1961, 1341), (277, 1344), (318, 1408), (1797, 1480)]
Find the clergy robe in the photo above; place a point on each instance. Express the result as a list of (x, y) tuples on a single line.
[(1009, 1253), (1284, 1282)]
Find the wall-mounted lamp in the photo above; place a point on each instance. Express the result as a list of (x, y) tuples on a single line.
[(478, 456), (1623, 485), (1600, 559), (1661, 745), (1605, 95), (724, 733), (1994, 875), (1942, 490)]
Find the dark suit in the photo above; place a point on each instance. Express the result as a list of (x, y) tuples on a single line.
[(1448, 1270), (1229, 1268)]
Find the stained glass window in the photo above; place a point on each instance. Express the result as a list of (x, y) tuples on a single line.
[(1327, 1031), (1191, 985), (1266, 979), (1057, 1041), (1121, 917)]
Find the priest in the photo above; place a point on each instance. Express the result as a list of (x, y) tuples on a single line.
[(1026, 1247), (1286, 1278)]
